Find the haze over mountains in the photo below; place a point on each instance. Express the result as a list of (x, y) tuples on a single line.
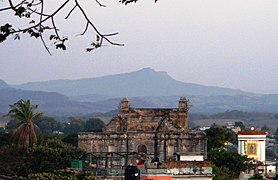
[(145, 82), (144, 88)]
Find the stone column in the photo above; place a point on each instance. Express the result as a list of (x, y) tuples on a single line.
[(262, 150)]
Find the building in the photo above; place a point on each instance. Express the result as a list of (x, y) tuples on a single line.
[(146, 137), (252, 144)]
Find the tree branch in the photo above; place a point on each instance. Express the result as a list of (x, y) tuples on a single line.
[(28, 8)]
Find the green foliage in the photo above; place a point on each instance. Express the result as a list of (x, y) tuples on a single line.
[(4, 138), (94, 125), (229, 164), (77, 125), (220, 173), (52, 155), (218, 136), (240, 124), (257, 176), (271, 153), (265, 128), (13, 124), (49, 156), (71, 139), (74, 126), (25, 134), (48, 125), (61, 174)]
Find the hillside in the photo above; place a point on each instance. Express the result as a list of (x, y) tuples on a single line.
[(144, 88), (145, 82), (257, 119), (202, 104), (49, 103)]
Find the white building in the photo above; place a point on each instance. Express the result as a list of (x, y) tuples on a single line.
[(252, 144)]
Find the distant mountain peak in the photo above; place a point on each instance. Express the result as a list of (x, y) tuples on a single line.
[(3, 84), (144, 71), (144, 82), (150, 71)]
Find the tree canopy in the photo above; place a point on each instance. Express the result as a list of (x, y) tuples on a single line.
[(229, 165), (48, 156), (25, 134), (218, 137), (94, 125), (40, 22)]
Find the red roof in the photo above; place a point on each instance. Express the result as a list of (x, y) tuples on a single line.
[(252, 133)]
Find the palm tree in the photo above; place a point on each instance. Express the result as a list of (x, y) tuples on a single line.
[(25, 134)]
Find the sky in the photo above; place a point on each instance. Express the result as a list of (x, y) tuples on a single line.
[(231, 43)]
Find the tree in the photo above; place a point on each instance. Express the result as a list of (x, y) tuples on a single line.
[(74, 126), (52, 155), (219, 136), (265, 128), (4, 138), (71, 139), (48, 125), (25, 134), (229, 164), (94, 124), (12, 124), (240, 124), (40, 22), (48, 156)]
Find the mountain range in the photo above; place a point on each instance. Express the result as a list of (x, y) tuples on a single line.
[(145, 82), (144, 88)]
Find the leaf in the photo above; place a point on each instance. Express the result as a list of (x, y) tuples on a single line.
[(16, 37), (6, 28), (61, 46), (52, 37), (30, 31), (28, 15), (89, 49), (35, 34), (20, 11), (2, 38)]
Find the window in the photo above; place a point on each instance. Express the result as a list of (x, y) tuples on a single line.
[(142, 149)]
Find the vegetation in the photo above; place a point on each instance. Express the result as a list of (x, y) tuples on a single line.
[(227, 163), (48, 156), (241, 125), (257, 176), (45, 158), (50, 126), (244, 120), (25, 134), (94, 124), (219, 137), (265, 128), (61, 174)]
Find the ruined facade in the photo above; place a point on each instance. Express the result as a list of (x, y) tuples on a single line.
[(143, 134)]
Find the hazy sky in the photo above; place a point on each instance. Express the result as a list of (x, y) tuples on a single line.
[(231, 43)]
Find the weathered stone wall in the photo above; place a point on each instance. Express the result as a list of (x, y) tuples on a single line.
[(153, 133)]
